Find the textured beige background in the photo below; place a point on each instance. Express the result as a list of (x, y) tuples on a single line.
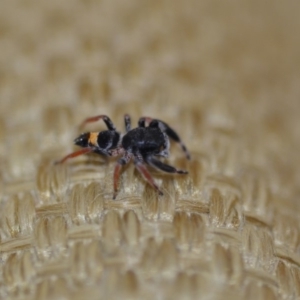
[(225, 75)]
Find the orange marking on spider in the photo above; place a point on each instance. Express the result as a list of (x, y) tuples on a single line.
[(93, 138)]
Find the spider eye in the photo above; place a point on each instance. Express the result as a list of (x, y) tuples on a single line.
[(82, 140)]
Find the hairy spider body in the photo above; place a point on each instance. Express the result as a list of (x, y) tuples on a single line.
[(145, 141), (142, 144)]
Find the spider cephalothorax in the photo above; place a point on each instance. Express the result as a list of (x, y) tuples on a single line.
[(142, 144)]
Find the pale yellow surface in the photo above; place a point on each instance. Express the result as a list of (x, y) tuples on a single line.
[(225, 75)]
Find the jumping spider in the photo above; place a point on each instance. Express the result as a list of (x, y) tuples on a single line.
[(142, 144)]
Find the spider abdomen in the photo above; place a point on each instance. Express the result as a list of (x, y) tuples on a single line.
[(144, 140)]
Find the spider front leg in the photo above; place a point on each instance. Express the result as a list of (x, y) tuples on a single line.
[(105, 119), (74, 154), (120, 163), (171, 133)]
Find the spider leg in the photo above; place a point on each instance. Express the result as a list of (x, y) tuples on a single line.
[(74, 154), (105, 119), (127, 122), (120, 163), (147, 176), (163, 167), (142, 122), (165, 128)]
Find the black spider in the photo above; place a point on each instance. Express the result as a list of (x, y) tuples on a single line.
[(142, 144)]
